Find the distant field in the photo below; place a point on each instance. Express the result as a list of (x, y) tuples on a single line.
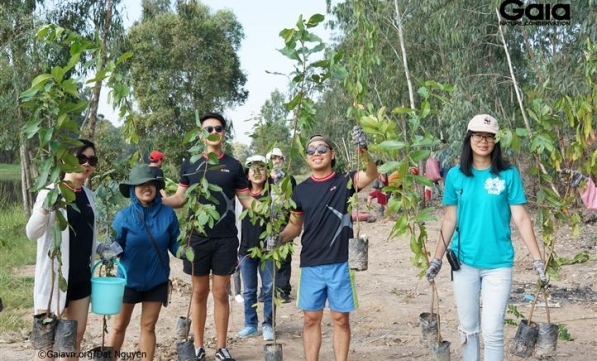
[(10, 171)]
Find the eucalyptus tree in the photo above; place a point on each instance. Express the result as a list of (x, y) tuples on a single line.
[(185, 62), (457, 43)]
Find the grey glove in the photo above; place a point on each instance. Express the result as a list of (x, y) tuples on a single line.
[(434, 266), (278, 175), (540, 269), (572, 177), (276, 213), (359, 138), (272, 241), (109, 252)]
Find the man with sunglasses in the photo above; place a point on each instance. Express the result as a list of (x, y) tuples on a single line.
[(322, 210), (216, 250)]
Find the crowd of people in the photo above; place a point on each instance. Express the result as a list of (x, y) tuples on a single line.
[(482, 195)]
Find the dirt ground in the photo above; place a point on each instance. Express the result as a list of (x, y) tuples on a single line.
[(391, 297)]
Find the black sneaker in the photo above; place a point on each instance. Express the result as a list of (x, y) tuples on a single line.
[(224, 355), (200, 355), (285, 298)]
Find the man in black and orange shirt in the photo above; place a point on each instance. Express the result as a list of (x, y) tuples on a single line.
[(322, 210), (216, 250)]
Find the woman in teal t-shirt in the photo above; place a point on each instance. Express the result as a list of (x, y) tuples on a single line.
[(481, 196)]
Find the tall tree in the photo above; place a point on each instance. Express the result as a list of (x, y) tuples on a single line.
[(185, 62)]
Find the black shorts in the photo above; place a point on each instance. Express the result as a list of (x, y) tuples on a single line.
[(78, 291), (157, 294), (213, 255)]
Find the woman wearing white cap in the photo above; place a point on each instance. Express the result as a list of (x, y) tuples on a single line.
[(250, 267), (482, 195)]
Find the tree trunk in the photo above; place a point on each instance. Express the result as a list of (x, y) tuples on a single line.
[(25, 181), (97, 89)]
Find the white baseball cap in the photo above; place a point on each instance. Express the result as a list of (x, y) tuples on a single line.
[(484, 123), (276, 152), (255, 159)]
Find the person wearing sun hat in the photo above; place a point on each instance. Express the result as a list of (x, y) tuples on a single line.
[(482, 196), (146, 230), (322, 210), (156, 161)]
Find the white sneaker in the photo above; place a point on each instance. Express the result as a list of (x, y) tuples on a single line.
[(239, 298)]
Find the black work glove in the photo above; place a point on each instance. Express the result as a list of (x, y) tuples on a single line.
[(572, 178), (359, 138)]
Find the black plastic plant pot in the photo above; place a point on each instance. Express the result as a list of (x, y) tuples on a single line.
[(428, 323), (186, 351), (547, 341), (65, 339), (183, 324), (524, 341), (273, 352), (439, 351), (358, 253), (102, 353), (44, 331)]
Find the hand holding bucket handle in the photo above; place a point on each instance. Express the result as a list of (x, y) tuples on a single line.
[(115, 262)]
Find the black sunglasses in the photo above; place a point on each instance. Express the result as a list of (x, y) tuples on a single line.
[(321, 149), (217, 128), (92, 160)]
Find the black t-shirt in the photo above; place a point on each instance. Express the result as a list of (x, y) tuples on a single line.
[(327, 224), (157, 172), (80, 239), (229, 175), (250, 232)]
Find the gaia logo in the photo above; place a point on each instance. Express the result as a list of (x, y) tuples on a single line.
[(516, 13)]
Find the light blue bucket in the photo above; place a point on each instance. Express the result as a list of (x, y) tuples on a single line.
[(107, 292)]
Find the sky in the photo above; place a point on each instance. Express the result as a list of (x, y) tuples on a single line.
[(262, 21)]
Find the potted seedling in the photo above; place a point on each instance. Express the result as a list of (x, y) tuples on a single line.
[(358, 247)]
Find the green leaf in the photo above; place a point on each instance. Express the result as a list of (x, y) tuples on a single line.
[(315, 20), (70, 87), (191, 135), (402, 110), (40, 80), (393, 144)]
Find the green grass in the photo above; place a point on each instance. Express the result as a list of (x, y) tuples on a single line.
[(16, 252), (10, 172)]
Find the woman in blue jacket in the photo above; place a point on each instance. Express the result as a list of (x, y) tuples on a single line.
[(145, 230)]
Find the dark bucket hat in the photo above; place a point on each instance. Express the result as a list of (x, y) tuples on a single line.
[(139, 174)]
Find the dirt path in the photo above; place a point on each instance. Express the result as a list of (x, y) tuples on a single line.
[(391, 297)]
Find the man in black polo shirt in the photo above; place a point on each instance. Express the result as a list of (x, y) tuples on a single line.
[(322, 209), (215, 251)]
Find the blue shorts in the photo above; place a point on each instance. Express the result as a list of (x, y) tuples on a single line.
[(332, 282)]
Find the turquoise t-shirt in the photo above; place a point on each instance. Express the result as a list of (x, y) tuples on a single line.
[(483, 202)]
